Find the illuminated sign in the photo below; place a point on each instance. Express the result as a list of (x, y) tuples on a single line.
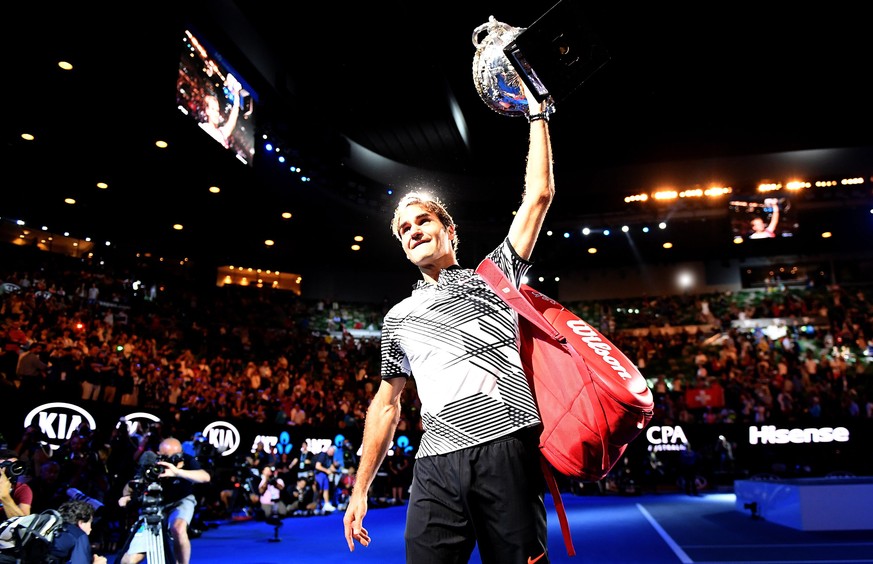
[(134, 419), (269, 442), (769, 434), (223, 436), (283, 445), (58, 420), (318, 445), (664, 438)]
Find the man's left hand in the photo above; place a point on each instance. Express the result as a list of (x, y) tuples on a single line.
[(170, 471)]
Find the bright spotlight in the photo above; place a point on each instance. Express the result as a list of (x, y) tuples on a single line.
[(685, 280)]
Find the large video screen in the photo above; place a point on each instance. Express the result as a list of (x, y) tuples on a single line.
[(217, 98), (758, 218)]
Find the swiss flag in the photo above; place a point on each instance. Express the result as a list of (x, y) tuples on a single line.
[(713, 396)]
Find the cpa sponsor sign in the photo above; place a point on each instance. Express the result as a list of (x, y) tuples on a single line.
[(58, 421), (666, 438), (223, 436)]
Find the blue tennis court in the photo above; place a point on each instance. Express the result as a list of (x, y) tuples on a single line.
[(650, 529)]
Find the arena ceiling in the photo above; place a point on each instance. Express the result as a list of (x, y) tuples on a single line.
[(372, 99)]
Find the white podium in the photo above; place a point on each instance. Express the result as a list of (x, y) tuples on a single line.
[(811, 504)]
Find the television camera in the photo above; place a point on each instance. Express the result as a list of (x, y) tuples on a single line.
[(148, 492), (152, 470)]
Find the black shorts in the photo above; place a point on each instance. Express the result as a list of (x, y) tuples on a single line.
[(491, 494)]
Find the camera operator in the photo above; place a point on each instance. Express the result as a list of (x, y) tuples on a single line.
[(16, 497), (177, 473)]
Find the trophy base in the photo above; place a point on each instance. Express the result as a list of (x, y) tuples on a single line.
[(557, 53)]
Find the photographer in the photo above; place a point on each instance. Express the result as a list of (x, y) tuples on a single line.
[(71, 544), (15, 497), (176, 472), (270, 490)]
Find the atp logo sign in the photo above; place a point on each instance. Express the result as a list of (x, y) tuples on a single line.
[(58, 420), (223, 436)]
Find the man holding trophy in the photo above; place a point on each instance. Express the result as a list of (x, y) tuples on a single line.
[(477, 477)]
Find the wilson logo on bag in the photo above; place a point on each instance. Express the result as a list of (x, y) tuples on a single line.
[(592, 399)]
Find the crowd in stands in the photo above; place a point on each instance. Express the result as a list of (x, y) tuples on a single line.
[(70, 330), (267, 357)]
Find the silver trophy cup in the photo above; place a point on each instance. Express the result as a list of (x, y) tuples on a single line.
[(496, 79)]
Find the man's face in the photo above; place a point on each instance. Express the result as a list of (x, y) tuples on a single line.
[(86, 526), (168, 451), (424, 238)]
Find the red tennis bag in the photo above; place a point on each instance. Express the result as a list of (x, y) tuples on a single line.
[(592, 399)]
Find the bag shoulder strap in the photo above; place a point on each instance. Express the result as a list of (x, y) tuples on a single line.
[(501, 285), (498, 282)]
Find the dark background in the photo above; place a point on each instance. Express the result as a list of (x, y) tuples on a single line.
[(726, 93)]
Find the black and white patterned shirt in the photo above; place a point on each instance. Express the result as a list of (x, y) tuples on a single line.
[(459, 340)]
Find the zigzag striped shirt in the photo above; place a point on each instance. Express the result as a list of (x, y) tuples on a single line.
[(459, 340)]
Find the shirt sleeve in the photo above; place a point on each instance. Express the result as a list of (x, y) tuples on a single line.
[(394, 362), (23, 494), (507, 260)]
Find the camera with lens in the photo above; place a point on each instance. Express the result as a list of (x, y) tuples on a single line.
[(152, 472), (13, 468)]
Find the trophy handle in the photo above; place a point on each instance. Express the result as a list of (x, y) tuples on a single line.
[(493, 26), (494, 77)]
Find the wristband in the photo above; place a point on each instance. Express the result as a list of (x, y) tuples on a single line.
[(541, 116)]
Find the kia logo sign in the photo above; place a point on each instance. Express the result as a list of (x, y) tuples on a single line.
[(58, 420), (133, 419), (223, 436)]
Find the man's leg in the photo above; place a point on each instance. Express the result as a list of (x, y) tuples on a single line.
[(438, 528), (181, 542), (135, 550), (179, 519)]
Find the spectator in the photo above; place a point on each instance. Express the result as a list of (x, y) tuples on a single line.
[(32, 370), (303, 500), (325, 469), (304, 462), (49, 491)]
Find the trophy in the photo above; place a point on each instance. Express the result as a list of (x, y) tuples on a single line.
[(551, 58), (496, 79)]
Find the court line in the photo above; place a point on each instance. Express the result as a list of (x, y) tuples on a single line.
[(677, 550)]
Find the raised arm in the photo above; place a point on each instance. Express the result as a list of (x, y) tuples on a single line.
[(774, 217), (539, 186), (235, 87)]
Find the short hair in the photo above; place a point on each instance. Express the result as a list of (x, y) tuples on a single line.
[(430, 203), (76, 510)]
